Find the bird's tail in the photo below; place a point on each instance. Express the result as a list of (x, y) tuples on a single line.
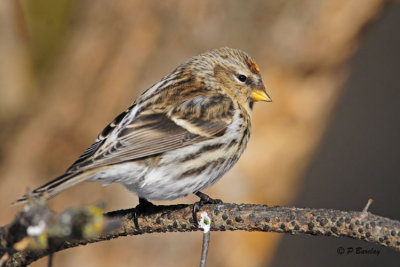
[(55, 186)]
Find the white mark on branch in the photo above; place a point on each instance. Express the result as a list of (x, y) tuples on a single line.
[(205, 222)]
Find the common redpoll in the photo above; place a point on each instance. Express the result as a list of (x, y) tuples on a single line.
[(180, 136)]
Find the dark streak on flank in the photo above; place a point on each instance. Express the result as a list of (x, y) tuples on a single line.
[(232, 143), (217, 162), (195, 171), (207, 148)]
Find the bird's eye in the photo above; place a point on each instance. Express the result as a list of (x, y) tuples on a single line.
[(242, 78)]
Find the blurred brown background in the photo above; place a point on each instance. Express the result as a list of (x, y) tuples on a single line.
[(68, 68)]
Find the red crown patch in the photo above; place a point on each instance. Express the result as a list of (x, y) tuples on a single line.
[(253, 66)]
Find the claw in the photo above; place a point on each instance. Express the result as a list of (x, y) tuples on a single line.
[(196, 208), (143, 207), (204, 199)]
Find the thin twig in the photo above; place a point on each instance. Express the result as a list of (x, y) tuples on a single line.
[(204, 223), (368, 205), (50, 260)]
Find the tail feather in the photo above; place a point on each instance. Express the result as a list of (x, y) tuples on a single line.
[(55, 186)]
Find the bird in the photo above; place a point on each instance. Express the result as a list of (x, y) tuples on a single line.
[(179, 137)]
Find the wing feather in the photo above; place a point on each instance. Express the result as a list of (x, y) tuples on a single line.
[(154, 131)]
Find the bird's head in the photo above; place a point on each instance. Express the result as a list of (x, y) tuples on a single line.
[(234, 72)]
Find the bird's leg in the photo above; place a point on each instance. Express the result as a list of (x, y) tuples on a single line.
[(204, 199), (143, 207)]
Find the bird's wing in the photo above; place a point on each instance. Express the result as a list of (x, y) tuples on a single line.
[(155, 131), (150, 133)]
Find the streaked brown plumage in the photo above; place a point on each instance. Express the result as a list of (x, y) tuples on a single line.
[(180, 136)]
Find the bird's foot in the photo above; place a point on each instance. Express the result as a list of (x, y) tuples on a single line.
[(204, 199), (144, 207)]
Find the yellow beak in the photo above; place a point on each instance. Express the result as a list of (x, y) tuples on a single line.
[(259, 94)]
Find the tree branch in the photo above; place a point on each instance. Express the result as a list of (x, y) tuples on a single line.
[(179, 218)]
